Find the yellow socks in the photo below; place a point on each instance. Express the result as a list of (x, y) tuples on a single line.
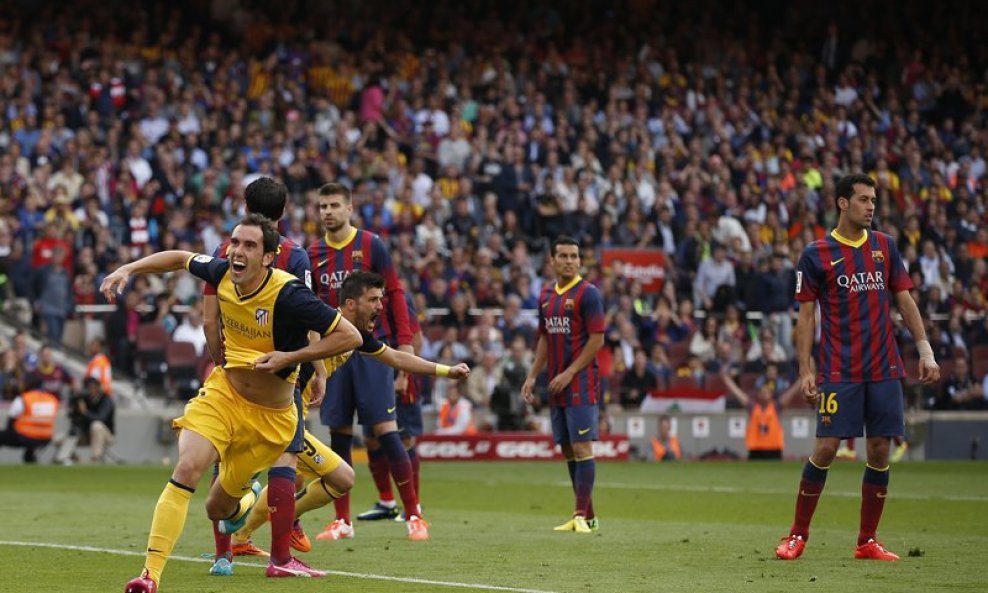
[(166, 526), (316, 494)]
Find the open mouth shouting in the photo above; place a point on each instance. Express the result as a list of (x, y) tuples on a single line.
[(238, 266)]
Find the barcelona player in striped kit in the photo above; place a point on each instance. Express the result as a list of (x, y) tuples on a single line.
[(365, 386), (855, 274), (571, 331)]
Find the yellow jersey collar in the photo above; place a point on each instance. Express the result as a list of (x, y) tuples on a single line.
[(253, 293), (845, 241), (562, 289), (344, 242)]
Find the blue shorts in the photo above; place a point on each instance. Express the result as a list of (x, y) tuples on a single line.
[(410, 419), (574, 424), (363, 385), (409, 422), (298, 441), (847, 410)]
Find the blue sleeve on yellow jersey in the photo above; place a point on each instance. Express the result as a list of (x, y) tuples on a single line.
[(211, 269), (371, 345), (302, 310)]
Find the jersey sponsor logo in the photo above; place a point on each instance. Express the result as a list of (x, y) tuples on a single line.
[(392, 409), (322, 263), (202, 259), (834, 262), (251, 333), (261, 317), (557, 325), (334, 280), (878, 256), (862, 281), (583, 431)]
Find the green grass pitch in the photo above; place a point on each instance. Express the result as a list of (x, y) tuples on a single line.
[(676, 527)]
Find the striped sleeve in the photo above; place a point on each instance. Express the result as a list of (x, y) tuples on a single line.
[(393, 292), (808, 275)]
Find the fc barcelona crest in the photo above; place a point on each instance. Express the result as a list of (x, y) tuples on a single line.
[(568, 305), (261, 317), (825, 420), (357, 256), (878, 256)]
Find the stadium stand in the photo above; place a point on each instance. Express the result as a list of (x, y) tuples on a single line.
[(473, 133)]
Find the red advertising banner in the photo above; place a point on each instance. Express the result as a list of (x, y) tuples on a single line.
[(510, 446), (647, 266)]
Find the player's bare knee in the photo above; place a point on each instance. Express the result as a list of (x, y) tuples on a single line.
[(824, 453), (582, 449), (340, 479), (286, 460), (220, 507), (188, 471), (878, 451)]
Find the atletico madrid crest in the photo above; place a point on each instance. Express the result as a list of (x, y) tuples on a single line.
[(878, 256)]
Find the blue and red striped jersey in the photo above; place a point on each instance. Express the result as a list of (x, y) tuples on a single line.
[(855, 283), (567, 318), (291, 258), (363, 250)]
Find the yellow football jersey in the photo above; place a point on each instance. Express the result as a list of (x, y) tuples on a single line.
[(277, 316)]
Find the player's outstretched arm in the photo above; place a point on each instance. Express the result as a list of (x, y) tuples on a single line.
[(343, 338), (805, 328), (410, 363), (157, 263), (929, 370)]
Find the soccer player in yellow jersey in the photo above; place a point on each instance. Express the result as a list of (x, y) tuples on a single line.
[(326, 474), (244, 416)]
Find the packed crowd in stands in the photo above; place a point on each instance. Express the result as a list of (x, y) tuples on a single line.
[(474, 133)]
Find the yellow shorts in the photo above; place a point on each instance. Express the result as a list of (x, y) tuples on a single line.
[(249, 437), (316, 459)]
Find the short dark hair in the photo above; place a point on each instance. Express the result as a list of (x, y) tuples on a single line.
[(845, 186), (266, 197), (564, 240), (336, 189), (357, 283), (272, 239)]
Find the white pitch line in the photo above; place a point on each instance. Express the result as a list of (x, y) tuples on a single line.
[(354, 575)]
